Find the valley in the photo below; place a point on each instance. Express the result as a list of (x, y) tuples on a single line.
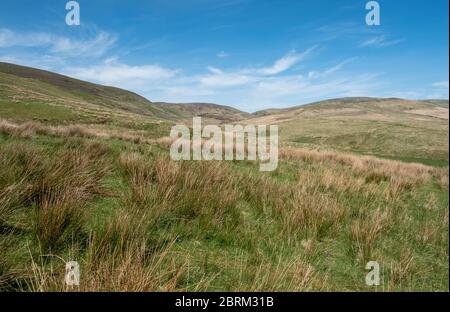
[(85, 175)]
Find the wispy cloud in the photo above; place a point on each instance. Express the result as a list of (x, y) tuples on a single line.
[(113, 72), (219, 79), (9, 59), (380, 42), (274, 84), (440, 91), (441, 84), (41, 61), (222, 54), (294, 90), (259, 88), (331, 70), (284, 63), (255, 88), (93, 46), (343, 30)]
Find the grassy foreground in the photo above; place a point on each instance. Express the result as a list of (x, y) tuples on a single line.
[(137, 221)]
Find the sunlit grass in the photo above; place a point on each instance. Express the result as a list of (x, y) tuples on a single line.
[(137, 221)]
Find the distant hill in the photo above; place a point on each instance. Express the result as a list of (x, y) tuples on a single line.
[(359, 107), (76, 99), (387, 127), (402, 129)]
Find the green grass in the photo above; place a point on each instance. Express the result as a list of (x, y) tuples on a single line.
[(34, 110), (232, 228), (436, 162), (423, 142), (137, 221)]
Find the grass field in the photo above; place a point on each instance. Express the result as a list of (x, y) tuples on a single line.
[(137, 221), (85, 176), (411, 131)]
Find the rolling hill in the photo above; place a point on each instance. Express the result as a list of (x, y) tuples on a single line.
[(30, 93), (408, 130), (86, 175)]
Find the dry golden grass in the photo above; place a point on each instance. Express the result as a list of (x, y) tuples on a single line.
[(402, 175), (58, 216), (10, 200), (57, 192), (365, 230), (186, 190), (299, 207), (30, 129), (311, 212), (294, 276), (133, 269)]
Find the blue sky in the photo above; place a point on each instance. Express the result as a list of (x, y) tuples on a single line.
[(250, 54)]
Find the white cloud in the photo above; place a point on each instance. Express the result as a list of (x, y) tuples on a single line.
[(283, 63), (329, 71), (94, 46), (300, 87), (112, 72), (222, 54), (380, 42), (217, 78), (223, 80), (215, 70), (440, 91), (253, 89), (9, 59), (6, 37), (46, 62), (343, 30), (185, 92), (249, 88), (441, 84)]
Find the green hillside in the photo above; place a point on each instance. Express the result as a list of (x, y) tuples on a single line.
[(28, 93), (86, 176), (413, 131)]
